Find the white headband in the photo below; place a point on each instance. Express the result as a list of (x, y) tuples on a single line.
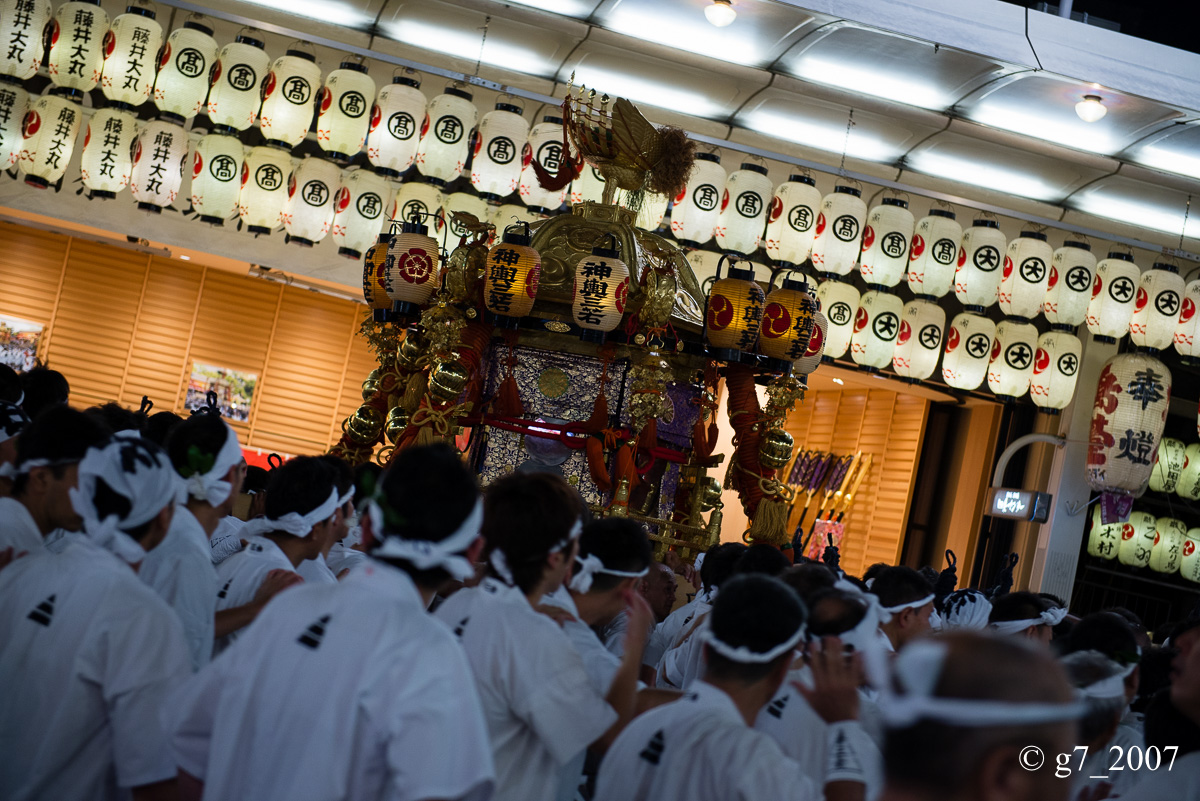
[(1051, 617), (891, 610), (591, 565), (865, 636), (744, 655), (1113, 686), (293, 523), (499, 562), (345, 499), (211, 487), (13, 420), (427, 555), (966, 609)]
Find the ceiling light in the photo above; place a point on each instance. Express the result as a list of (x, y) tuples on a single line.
[(467, 45), (720, 13), (1141, 215), (185, 257), (981, 174), (336, 13), (660, 94), (894, 87), (1091, 108), (821, 135), (838, 381), (1060, 129)]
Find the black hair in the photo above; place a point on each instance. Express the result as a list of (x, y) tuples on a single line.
[(110, 502), (205, 433), (116, 417), (833, 613), (874, 569), (343, 474), (300, 486), (718, 563), (44, 389), (10, 384), (621, 544), (900, 585), (1017, 606), (765, 559), (60, 434), (1106, 632), (160, 425), (525, 515), (756, 612), (929, 574), (809, 580), (256, 479)]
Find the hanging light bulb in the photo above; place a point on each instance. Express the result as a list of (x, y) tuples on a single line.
[(734, 313), (1091, 108), (787, 324), (412, 267), (720, 13), (601, 290), (510, 280)]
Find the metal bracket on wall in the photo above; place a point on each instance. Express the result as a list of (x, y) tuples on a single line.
[(1075, 508)]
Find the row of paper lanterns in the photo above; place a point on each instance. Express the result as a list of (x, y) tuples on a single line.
[(1164, 544)]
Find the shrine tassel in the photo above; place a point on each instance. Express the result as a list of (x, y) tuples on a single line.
[(596, 425), (508, 396)]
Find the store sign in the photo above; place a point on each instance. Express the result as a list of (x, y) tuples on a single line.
[(1017, 504)]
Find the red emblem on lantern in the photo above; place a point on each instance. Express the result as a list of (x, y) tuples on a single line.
[(415, 266), (776, 321), (868, 237), (622, 295), (860, 320), (166, 55), (31, 124), (197, 164), (952, 340), (720, 313), (1189, 308), (995, 350), (1189, 547), (376, 116), (1053, 278), (905, 332), (1157, 537), (1097, 285), (820, 223), (531, 281), (1041, 361), (724, 199), (776, 209), (54, 32), (326, 99), (268, 85), (246, 174), (215, 74), (87, 137), (1142, 299), (1008, 265), (342, 201), (962, 256), (1127, 532), (815, 342), (918, 247), (110, 44)]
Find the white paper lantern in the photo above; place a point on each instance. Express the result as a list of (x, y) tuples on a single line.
[(77, 45), (704, 266), (1137, 539), (792, 221), (21, 25), (264, 188), (839, 231), (234, 96), (508, 214), (1169, 534), (650, 215), (1055, 371), (545, 147), (978, 274), (588, 187), (50, 128), (446, 135), (422, 199), (466, 203), (345, 110), (289, 98), (1069, 289), (1168, 465), (1189, 562), (308, 213), (14, 103), (130, 51), (1103, 540), (216, 177), (1114, 291), (500, 147), (1011, 366), (1128, 416), (740, 224), (919, 344), (1157, 309), (968, 350), (1187, 330), (933, 257), (396, 120), (811, 359), (182, 84), (839, 302), (358, 211), (159, 157), (1188, 485), (876, 326), (106, 163), (1026, 275), (698, 204), (886, 238)]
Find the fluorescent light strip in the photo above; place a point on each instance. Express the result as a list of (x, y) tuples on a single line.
[(1072, 133), (641, 90), (895, 88), (985, 176), (1167, 160), (329, 11), (1138, 214), (464, 44), (570, 8), (827, 137)]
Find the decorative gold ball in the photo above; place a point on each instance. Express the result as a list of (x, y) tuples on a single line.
[(410, 351), (447, 381), (365, 425), (371, 385), (775, 448), (710, 493), (397, 421)]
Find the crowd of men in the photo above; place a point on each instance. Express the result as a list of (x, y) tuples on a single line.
[(176, 625)]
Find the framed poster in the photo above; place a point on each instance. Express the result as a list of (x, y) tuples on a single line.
[(235, 390), (19, 340)]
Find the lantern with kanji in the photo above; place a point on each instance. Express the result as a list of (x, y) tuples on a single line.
[(288, 98), (466, 203), (1188, 485), (375, 278), (417, 197), (77, 44), (216, 177), (839, 301), (1055, 371), (21, 25), (358, 211), (653, 210), (704, 264), (1165, 554), (1187, 330), (308, 213), (1114, 292), (1069, 289), (977, 276), (1103, 540), (739, 226), (545, 147), (1168, 465), (919, 343), (50, 128), (876, 326), (733, 314), (106, 163), (507, 213), (885, 242), (182, 83), (264, 188), (412, 266), (1026, 274), (1189, 562), (839, 231), (446, 135), (1128, 417), (968, 350), (792, 221), (590, 186), (811, 359), (933, 257), (1156, 311), (510, 278), (234, 95), (395, 129), (344, 110), (787, 324), (14, 102), (601, 289), (159, 157), (1011, 365), (499, 151), (698, 204), (131, 48), (1137, 539)]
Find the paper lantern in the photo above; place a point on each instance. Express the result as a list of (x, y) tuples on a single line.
[(1188, 485), (345, 110), (792, 221), (787, 324), (422, 199), (698, 204), (233, 95), (733, 314), (1157, 309), (1168, 465), (21, 25), (601, 289), (919, 343), (650, 215), (499, 151), (839, 231), (358, 211), (375, 278), (545, 147), (1026, 275), (182, 83), (106, 163), (446, 135), (589, 186), (1103, 540), (1011, 366), (977, 276), (1169, 534), (1114, 292), (968, 350), (159, 157), (264, 188), (1069, 289), (839, 301), (876, 326), (308, 213), (743, 214), (509, 213), (288, 98), (216, 173), (130, 49), (396, 120), (510, 279), (412, 267), (466, 203), (50, 128), (1055, 371), (704, 265), (1189, 562), (14, 103), (77, 44), (811, 359), (1137, 539), (889, 230), (1187, 330), (1128, 416), (936, 245)]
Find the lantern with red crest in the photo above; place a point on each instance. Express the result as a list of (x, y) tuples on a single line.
[(1055, 371), (839, 231), (511, 275), (467, 203), (358, 211), (792, 221), (1070, 286), (787, 324), (839, 301), (308, 213), (919, 343), (1189, 562), (977, 276), (396, 120), (14, 102), (182, 83), (130, 49), (546, 148), (743, 215), (933, 257), (264, 188), (159, 159), (1026, 274), (876, 326), (287, 97), (1114, 293), (50, 129), (969, 345), (1011, 366), (375, 278), (1137, 538), (733, 314), (344, 110), (107, 159), (446, 135), (698, 204), (811, 359), (77, 44), (412, 266), (421, 199), (21, 25), (499, 151), (600, 291), (216, 173), (1157, 309), (885, 242), (234, 95), (1187, 330)]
